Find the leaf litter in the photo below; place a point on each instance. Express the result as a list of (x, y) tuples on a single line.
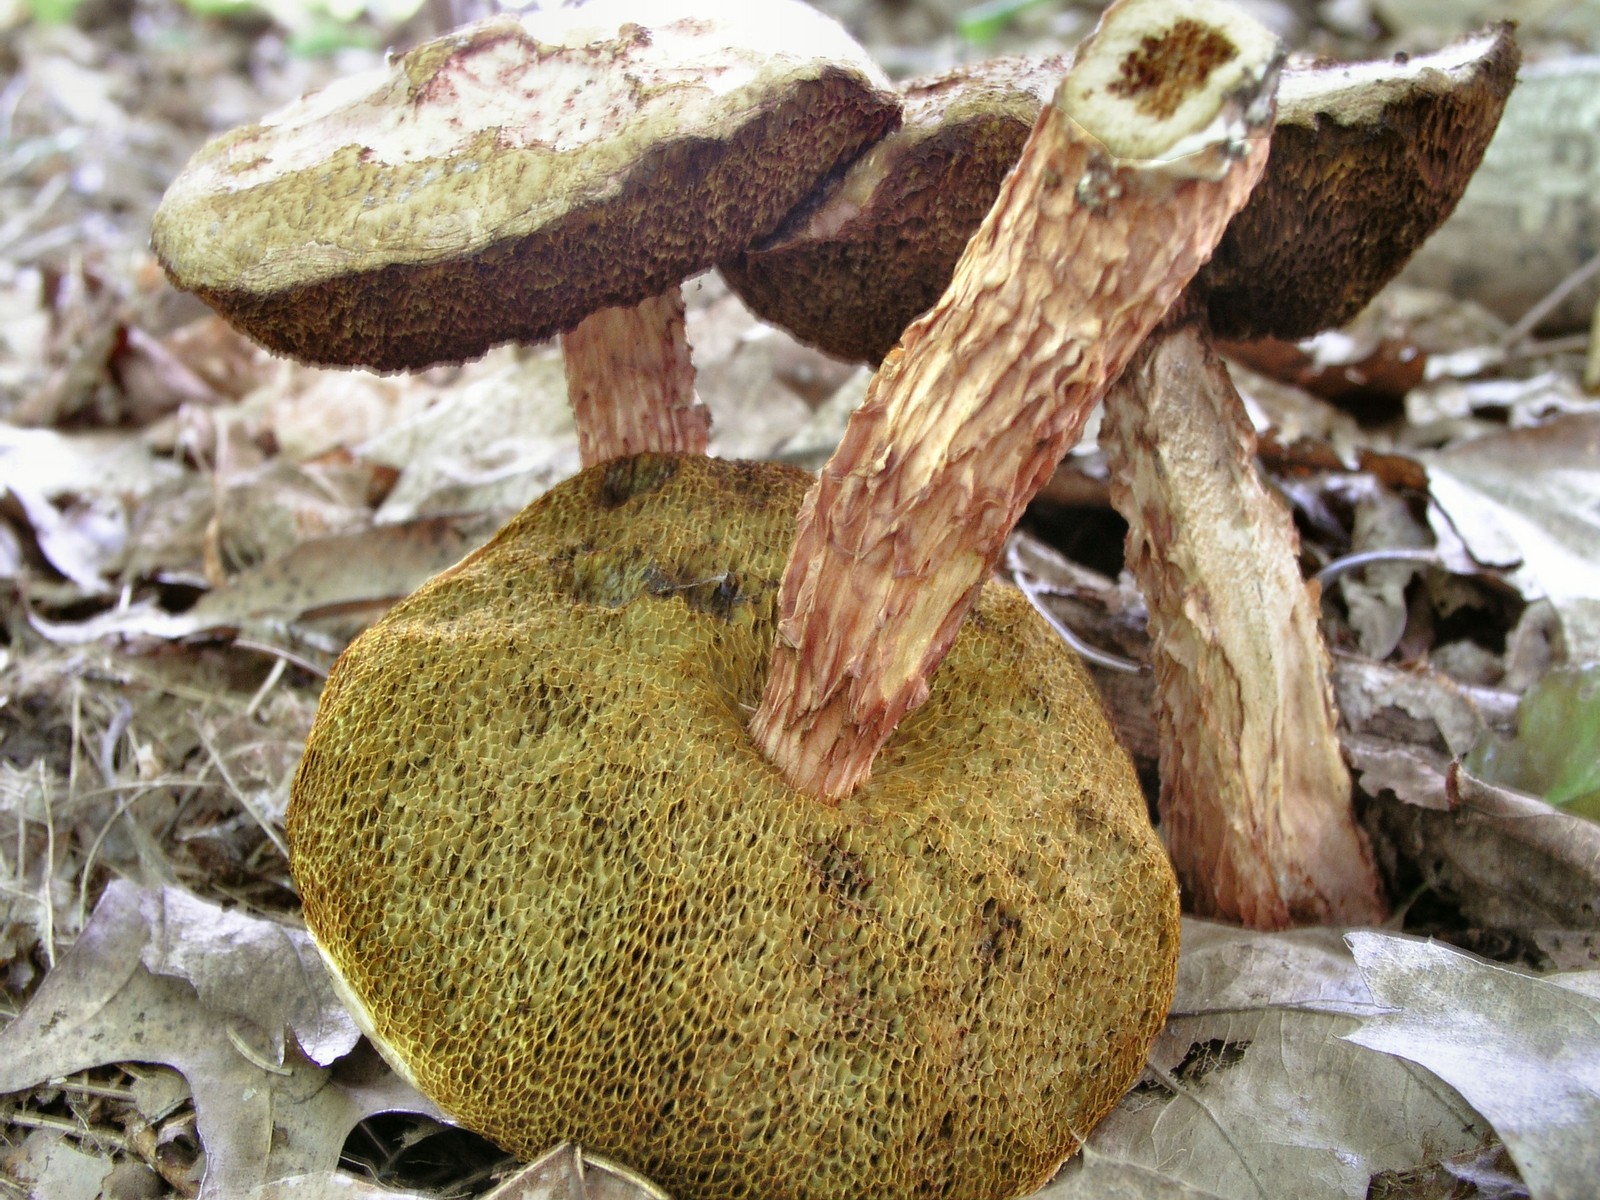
[(190, 530)]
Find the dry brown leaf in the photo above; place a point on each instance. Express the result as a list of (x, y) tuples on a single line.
[(368, 569), (498, 439), (54, 1168), (571, 1173), (159, 976), (1529, 217), (1524, 1051), (1506, 860), (1528, 501), (1253, 1094)]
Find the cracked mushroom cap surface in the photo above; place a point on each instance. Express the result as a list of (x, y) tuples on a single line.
[(503, 181), (573, 902), (850, 269)]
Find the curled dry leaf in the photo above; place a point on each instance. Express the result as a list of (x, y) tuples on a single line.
[(1506, 860), (365, 570), (1528, 501), (75, 491), (1524, 1051), (160, 976), (1252, 1093)]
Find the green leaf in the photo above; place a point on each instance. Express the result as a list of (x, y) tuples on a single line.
[(1556, 751), (52, 12), (983, 23)]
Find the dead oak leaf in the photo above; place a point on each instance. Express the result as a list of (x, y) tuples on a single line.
[(161, 976), (1523, 1051)]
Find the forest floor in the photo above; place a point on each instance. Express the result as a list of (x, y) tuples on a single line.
[(191, 530)]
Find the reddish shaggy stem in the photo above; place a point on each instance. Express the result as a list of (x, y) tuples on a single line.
[(631, 382), (1255, 797), (1078, 260)]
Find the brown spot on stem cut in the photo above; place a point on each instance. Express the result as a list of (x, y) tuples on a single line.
[(1167, 68)]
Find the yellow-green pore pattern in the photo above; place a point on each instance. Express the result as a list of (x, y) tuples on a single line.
[(531, 831)]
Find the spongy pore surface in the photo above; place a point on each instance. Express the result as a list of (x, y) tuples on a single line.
[(531, 833)]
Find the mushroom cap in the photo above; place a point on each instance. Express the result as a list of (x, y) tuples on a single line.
[(1368, 159), (848, 271), (573, 901), (507, 179)]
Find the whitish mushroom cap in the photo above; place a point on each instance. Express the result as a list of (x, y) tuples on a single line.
[(507, 179), (1368, 159), (848, 271)]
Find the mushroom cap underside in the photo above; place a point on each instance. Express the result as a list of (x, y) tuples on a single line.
[(577, 904), (503, 181), (1368, 159), (848, 270)]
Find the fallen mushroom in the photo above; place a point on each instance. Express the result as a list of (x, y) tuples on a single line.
[(1370, 158), (1367, 160), (537, 766), (965, 421), (559, 172)]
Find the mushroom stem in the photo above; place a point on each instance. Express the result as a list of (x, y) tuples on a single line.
[(1255, 797), (631, 382), (1127, 182)]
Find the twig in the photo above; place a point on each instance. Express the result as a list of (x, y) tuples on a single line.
[(1530, 319), (267, 684), (1029, 586), (283, 655), (27, 1120), (245, 802), (84, 1088), (1362, 558)]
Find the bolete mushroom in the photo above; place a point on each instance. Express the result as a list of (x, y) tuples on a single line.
[(1367, 160), (930, 981), (873, 248), (558, 172)]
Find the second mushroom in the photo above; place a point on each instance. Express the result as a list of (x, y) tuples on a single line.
[(819, 951), (1367, 160)]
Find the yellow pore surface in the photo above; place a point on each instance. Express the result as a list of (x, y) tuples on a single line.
[(532, 834)]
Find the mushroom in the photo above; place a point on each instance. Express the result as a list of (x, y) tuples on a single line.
[(572, 899), (875, 246), (1367, 160), (560, 172)]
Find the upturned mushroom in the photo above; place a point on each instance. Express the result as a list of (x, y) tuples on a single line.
[(559, 172), (748, 972), (1367, 160)]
